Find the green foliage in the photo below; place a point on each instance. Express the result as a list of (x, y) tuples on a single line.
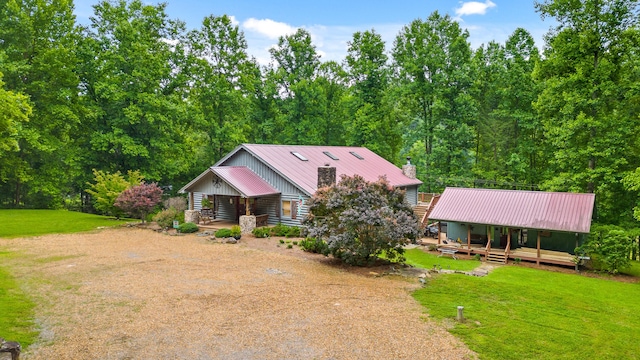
[(281, 241), (477, 257), (587, 116), (107, 187), (166, 217), (581, 317), (261, 232), (223, 233), (22, 223), (359, 219), (187, 228), (285, 230), (236, 231), (609, 249), (314, 245), (289, 246)]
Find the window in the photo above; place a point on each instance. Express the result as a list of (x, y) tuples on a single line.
[(356, 155), (330, 155), (290, 209), (299, 156)]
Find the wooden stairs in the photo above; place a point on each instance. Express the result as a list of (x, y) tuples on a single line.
[(423, 209), (497, 256)]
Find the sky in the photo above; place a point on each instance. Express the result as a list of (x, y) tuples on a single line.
[(332, 23)]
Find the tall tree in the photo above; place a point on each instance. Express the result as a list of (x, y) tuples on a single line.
[(38, 39), (373, 124), (433, 61), (302, 98), (133, 81), (222, 84), (587, 75), (14, 113), (508, 133)]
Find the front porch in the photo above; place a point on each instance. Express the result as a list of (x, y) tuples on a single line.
[(538, 256)]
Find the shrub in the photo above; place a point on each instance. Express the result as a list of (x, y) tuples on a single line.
[(295, 243), (177, 202), (261, 232), (516, 260), (139, 200), (293, 231), (314, 246), (166, 217), (433, 247), (236, 231), (187, 228), (289, 246), (223, 233), (108, 187), (359, 220), (281, 241), (609, 249), (477, 257)]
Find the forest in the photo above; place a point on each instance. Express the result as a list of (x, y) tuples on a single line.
[(137, 90)]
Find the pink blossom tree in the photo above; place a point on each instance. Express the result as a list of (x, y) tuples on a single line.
[(139, 200)]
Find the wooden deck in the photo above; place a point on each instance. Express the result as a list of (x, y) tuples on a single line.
[(523, 253)]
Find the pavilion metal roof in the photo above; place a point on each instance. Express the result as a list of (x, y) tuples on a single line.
[(299, 163), (559, 211)]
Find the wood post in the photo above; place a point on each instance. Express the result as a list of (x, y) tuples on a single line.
[(246, 207), (538, 247), (469, 238), (191, 201), (439, 232)]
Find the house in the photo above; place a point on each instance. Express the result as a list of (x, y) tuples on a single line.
[(507, 224), (272, 183)]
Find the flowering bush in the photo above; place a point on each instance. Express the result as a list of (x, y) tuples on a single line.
[(359, 220), (139, 200)]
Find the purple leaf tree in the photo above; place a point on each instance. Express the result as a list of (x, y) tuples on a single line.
[(359, 220), (139, 200)]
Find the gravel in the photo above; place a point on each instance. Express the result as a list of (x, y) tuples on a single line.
[(131, 293)]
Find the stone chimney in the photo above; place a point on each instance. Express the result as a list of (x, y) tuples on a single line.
[(326, 175), (409, 170)]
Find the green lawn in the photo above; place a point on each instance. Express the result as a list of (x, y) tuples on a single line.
[(16, 322), (421, 259), (523, 313), (19, 223)]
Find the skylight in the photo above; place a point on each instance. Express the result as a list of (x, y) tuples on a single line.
[(356, 155), (333, 157), (299, 156)]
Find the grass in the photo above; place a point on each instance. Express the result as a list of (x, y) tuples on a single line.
[(16, 308), (21, 223), (421, 259), (523, 313)]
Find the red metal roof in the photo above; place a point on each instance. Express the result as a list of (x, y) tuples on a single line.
[(305, 173), (570, 212), (245, 181)]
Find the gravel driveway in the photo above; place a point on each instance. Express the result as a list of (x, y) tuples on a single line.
[(133, 293)]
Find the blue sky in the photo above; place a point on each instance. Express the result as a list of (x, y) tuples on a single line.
[(333, 22)]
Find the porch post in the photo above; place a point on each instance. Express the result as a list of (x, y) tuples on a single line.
[(469, 237), (246, 206), (191, 200), (538, 246), (439, 231), (508, 238)]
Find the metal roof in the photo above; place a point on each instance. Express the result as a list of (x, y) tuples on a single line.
[(304, 173), (570, 212), (245, 181)]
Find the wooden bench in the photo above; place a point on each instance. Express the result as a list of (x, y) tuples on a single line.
[(448, 251), (207, 215), (262, 220)]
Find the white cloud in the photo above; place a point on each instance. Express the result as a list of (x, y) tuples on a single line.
[(474, 8), (269, 28), (234, 21)]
